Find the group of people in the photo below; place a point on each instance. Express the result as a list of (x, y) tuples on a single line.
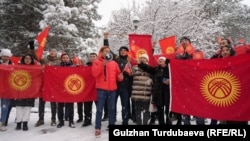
[(140, 88)]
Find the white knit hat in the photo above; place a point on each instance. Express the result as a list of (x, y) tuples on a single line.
[(6, 52), (145, 56), (162, 58)]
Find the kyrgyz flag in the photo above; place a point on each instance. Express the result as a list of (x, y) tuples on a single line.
[(198, 55), (68, 84), (20, 81), (216, 88), (42, 39), (189, 48), (168, 46), (141, 44)]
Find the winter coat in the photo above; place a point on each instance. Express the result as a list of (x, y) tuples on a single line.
[(25, 102), (52, 61), (161, 91), (142, 85), (106, 75)]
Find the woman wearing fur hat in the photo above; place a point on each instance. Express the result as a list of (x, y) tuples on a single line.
[(23, 106), (6, 104), (141, 91), (161, 89)]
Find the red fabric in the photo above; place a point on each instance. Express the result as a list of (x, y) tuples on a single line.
[(168, 46), (15, 59), (216, 88), (108, 81), (242, 49), (42, 39), (77, 61), (68, 84), (140, 44), (190, 49), (20, 81), (198, 55)]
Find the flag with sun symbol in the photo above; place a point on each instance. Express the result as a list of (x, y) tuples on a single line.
[(20, 81), (69, 84), (215, 88)]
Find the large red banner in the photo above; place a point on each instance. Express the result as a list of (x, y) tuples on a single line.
[(69, 84), (20, 81), (216, 88), (142, 44)]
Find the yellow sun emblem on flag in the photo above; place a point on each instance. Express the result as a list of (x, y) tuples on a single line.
[(197, 55), (170, 50), (220, 88), (20, 80), (140, 52), (74, 84)]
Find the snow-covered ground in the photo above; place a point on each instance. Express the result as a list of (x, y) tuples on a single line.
[(54, 134)]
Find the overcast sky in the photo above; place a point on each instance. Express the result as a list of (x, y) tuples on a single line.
[(107, 6)]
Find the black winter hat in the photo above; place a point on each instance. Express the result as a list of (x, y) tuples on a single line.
[(185, 38), (124, 47)]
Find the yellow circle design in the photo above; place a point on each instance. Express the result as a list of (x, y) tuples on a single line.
[(170, 50), (197, 55), (220, 88), (74, 84), (140, 52), (20, 80)]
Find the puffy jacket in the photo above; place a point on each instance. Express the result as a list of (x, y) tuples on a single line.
[(106, 75)]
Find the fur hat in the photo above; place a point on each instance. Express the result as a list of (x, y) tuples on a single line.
[(162, 58), (6, 52), (145, 56)]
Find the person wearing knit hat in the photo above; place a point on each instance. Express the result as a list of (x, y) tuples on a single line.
[(144, 56), (162, 58), (6, 52), (6, 104)]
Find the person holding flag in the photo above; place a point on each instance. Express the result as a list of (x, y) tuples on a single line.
[(185, 52), (6, 104)]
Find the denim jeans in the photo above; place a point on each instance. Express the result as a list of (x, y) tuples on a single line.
[(102, 95), (125, 101), (6, 105)]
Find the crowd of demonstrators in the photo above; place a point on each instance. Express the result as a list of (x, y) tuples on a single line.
[(69, 107), (6, 104), (51, 60), (141, 91), (106, 73), (138, 87), (23, 106)]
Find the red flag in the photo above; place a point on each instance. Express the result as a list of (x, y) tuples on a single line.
[(242, 49), (189, 48), (69, 84), (20, 81), (15, 59), (42, 39), (216, 88), (140, 44), (198, 55), (168, 46)]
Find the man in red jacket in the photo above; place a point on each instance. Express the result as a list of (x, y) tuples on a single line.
[(107, 73)]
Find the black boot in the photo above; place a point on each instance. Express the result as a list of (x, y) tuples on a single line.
[(25, 126), (18, 125), (61, 124), (71, 124)]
